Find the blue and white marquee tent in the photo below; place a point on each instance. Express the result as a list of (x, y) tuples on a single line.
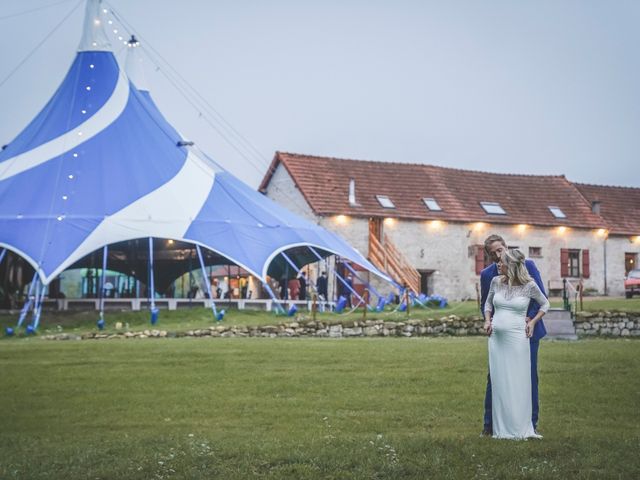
[(101, 165)]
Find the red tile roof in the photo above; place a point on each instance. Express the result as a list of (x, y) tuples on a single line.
[(324, 183), (619, 206)]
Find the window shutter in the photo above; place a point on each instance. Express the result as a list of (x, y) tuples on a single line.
[(585, 263), (479, 259), (564, 262)]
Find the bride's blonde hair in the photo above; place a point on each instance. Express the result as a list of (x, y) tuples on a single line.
[(516, 269)]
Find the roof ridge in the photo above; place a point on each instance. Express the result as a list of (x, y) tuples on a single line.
[(377, 162), (605, 186)]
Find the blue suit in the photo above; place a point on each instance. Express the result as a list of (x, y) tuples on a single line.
[(539, 331)]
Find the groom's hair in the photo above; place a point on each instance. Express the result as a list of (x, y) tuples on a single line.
[(493, 238)]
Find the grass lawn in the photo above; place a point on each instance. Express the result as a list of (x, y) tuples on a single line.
[(193, 408), (199, 317)]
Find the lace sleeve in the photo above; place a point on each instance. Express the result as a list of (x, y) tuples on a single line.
[(538, 296), (488, 304)]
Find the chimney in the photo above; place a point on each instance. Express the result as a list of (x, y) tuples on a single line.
[(595, 206), (352, 193)]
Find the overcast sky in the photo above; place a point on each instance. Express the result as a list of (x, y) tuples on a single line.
[(538, 87)]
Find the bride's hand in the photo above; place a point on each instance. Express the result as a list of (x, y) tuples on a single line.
[(488, 327), (529, 329)]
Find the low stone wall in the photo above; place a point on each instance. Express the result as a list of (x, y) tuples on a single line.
[(607, 324), (445, 326)]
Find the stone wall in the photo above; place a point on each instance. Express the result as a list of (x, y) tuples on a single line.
[(607, 324), (604, 324), (451, 325)]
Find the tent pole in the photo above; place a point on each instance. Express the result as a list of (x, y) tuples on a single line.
[(369, 286), (152, 291), (105, 253), (207, 283), (28, 302), (38, 308), (275, 299), (190, 267), (344, 282)]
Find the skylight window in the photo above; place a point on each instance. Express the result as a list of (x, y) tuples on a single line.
[(493, 208), (557, 212), (385, 201), (432, 204)]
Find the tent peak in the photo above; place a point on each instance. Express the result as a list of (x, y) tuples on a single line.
[(94, 37)]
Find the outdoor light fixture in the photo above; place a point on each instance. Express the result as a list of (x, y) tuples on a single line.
[(562, 230), (389, 222), (341, 219), (478, 226), (522, 228)]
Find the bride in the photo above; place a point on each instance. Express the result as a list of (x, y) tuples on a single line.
[(509, 357)]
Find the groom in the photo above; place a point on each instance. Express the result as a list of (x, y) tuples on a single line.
[(495, 246)]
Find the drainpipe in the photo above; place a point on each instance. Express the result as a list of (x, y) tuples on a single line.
[(605, 264)]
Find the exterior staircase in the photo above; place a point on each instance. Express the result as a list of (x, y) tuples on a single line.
[(559, 325), (385, 256)]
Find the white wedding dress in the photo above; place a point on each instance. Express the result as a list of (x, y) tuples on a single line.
[(510, 358)]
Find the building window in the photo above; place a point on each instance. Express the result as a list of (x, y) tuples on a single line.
[(574, 263), (385, 201), (630, 262), (432, 204), (493, 208), (535, 252), (557, 212)]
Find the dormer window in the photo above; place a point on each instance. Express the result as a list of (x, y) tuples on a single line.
[(493, 208), (385, 201), (432, 204), (557, 212)]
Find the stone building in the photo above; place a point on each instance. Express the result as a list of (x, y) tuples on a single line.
[(425, 225)]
